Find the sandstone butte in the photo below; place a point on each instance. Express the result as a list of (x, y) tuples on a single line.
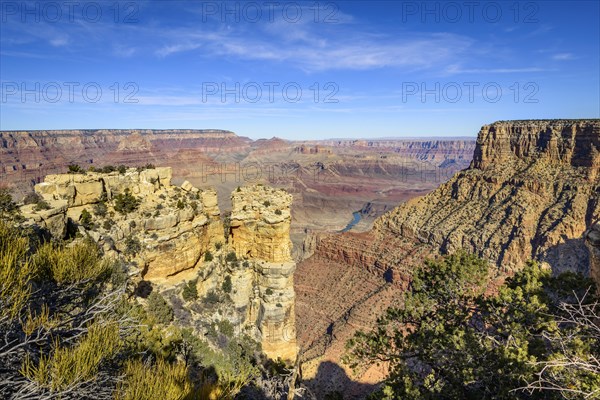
[(532, 191), (174, 229)]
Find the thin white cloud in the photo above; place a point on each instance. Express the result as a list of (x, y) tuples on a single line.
[(305, 50), (563, 56)]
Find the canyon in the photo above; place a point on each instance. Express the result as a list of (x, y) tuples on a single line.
[(302, 283), (531, 193), (329, 179)]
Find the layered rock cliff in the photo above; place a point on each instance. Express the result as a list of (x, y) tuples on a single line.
[(531, 192), (166, 233), (260, 234), (171, 236)]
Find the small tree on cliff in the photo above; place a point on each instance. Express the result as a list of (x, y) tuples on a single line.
[(448, 340)]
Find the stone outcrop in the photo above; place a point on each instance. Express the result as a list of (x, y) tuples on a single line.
[(531, 192), (167, 234), (260, 235), (175, 235)]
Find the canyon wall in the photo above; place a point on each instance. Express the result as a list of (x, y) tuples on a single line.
[(531, 192)]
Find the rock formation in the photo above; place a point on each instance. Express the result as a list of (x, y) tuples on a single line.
[(260, 234), (171, 235), (167, 233), (531, 192)]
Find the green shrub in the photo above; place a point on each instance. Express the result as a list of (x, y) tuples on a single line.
[(100, 209), (77, 263), (180, 204), (126, 202), (278, 212), (132, 246), (266, 203), (107, 224), (41, 205), (208, 256), (122, 169), (69, 366), (190, 291), (194, 205), (211, 298), (108, 169), (226, 328), (31, 198), (75, 169), (231, 257), (163, 381), (269, 292), (218, 246), (159, 309), (278, 305), (227, 286), (85, 219), (7, 205)]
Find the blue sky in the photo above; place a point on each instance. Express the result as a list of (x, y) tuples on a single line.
[(297, 70)]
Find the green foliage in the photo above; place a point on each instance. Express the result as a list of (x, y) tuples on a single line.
[(126, 202), (122, 169), (108, 169), (227, 286), (231, 257), (226, 225), (75, 169), (159, 309), (278, 212), (190, 291), (269, 292), (218, 246), (132, 246), (77, 263), (226, 328), (448, 340), (267, 203), (238, 189), (31, 198), (211, 299), (40, 205), (100, 209), (7, 205), (68, 366), (180, 204), (278, 305), (85, 219), (194, 205), (163, 380), (208, 256), (16, 272), (107, 224)]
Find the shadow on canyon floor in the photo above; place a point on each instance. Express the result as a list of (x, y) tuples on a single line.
[(332, 383)]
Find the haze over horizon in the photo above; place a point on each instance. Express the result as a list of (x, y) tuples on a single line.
[(377, 70)]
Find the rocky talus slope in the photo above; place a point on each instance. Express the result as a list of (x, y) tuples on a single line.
[(172, 236), (531, 192)]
